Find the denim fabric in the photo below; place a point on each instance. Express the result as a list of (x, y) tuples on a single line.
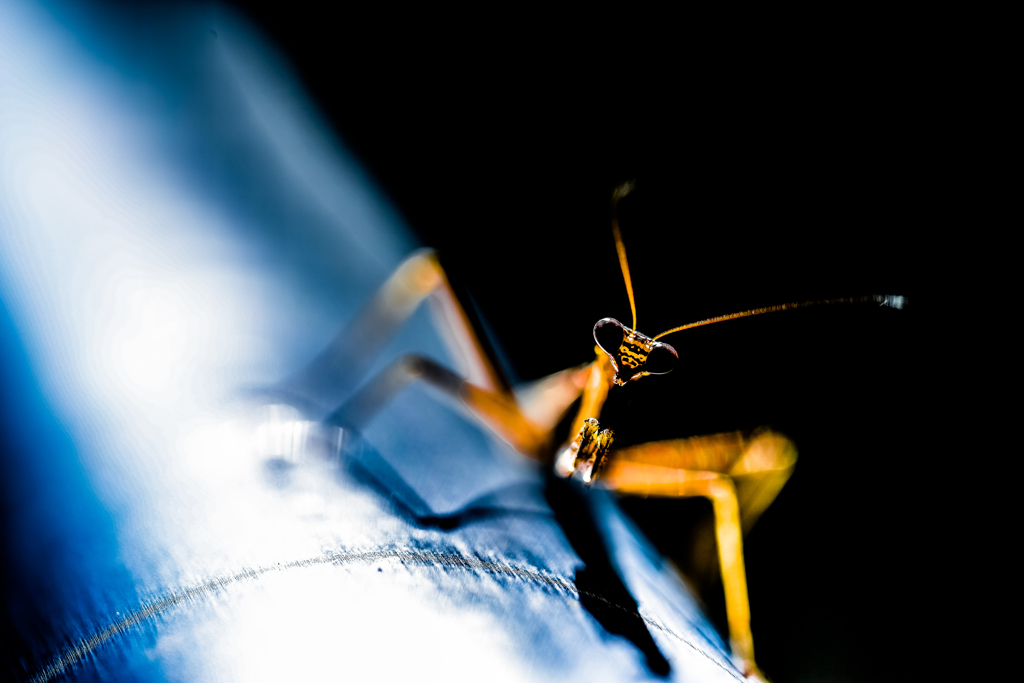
[(179, 234)]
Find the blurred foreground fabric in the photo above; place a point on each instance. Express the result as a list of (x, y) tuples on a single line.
[(179, 232)]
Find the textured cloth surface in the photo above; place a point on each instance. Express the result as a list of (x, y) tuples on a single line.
[(180, 232)]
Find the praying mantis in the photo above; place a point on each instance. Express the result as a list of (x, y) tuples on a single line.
[(740, 474)]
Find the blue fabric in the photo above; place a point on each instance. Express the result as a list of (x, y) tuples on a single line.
[(178, 233)]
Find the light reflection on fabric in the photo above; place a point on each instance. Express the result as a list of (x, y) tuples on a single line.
[(163, 265)]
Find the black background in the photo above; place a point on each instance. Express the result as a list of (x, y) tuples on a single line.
[(777, 158)]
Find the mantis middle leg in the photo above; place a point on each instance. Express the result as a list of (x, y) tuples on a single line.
[(740, 476), (524, 419)]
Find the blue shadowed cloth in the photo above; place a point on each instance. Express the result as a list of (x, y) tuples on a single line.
[(179, 231)]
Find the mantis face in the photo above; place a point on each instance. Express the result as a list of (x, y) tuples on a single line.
[(633, 355)]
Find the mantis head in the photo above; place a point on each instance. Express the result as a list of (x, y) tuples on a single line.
[(633, 355)]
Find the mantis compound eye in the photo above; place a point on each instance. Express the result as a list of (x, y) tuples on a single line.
[(608, 333), (661, 360)]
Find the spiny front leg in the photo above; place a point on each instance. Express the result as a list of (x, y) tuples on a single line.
[(587, 455)]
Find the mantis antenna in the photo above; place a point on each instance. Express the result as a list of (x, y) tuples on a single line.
[(885, 300), (620, 192)]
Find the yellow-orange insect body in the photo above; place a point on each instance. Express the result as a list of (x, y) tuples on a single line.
[(740, 474)]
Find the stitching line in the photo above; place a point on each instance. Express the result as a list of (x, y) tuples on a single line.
[(650, 622), (71, 656)]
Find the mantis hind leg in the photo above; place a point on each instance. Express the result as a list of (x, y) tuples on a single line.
[(498, 411), (740, 476), (480, 383), (342, 364)]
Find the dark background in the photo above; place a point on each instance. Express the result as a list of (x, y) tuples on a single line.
[(776, 158)]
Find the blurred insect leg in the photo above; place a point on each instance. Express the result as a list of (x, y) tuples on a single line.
[(729, 536), (463, 335), (545, 401), (652, 480), (541, 405), (503, 416), (345, 359), (596, 384), (760, 464), (495, 409), (490, 397), (761, 472)]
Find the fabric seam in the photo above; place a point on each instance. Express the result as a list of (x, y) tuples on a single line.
[(71, 656)]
